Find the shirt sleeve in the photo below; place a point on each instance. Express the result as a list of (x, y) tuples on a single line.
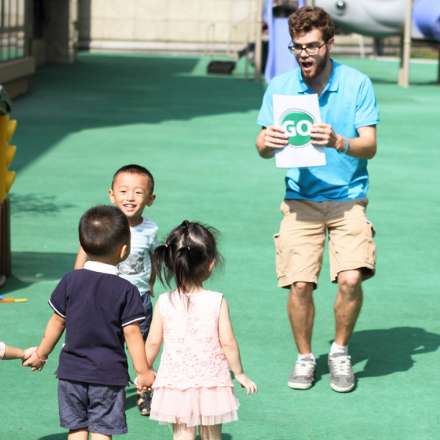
[(58, 300), (133, 310), (155, 241), (366, 106), (265, 116)]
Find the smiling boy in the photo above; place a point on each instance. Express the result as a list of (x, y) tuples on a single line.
[(132, 190)]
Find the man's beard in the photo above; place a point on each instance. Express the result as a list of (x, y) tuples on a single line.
[(319, 68)]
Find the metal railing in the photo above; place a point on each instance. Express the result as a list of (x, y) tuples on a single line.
[(12, 29)]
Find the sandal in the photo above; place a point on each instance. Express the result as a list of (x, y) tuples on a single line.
[(144, 403)]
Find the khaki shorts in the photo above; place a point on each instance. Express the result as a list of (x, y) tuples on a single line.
[(300, 242)]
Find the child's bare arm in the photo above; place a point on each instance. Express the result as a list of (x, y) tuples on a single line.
[(231, 349), (81, 259), (155, 336), (54, 329), (13, 353), (228, 341), (135, 344)]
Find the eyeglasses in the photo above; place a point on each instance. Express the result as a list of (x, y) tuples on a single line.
[(309, 49)]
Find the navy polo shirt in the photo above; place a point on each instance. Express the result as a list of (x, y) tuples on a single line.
[(96, 304)]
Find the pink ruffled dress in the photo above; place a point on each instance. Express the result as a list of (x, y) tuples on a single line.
[(193, 385)]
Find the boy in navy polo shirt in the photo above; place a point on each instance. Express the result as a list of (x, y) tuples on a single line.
[(99, 311)]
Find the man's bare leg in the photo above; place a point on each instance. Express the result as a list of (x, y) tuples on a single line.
[(348, 304), (347, 307), (301, 312)]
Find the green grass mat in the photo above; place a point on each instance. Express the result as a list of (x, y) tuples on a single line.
[(196, 133)]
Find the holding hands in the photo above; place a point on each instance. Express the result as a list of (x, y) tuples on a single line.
[(9, 352), (33, 360), (144, 381)]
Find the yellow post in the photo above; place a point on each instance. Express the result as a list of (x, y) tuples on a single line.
[(7, 154)]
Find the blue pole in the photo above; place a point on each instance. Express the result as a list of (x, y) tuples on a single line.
[(279, 60)]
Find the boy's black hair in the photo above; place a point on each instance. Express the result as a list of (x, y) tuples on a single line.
[(102, 229), (186, 255), (135, 169)]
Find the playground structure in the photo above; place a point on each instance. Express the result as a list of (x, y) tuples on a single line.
[(376, 18), (7, 177), (278, 61), (414, 20), (381, 18)]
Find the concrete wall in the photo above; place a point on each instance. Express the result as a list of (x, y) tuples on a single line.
[(174, 25), (57, 37)]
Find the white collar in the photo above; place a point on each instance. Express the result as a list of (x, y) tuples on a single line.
[(97, 266)]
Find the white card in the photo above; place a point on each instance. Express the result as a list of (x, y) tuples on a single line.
[(296, 114)]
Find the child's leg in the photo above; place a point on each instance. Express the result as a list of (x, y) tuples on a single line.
[(79, 434), (144, 401), (212, 432), (96, 436), (182, 432)]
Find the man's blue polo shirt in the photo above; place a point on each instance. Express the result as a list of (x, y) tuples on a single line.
[(346, 103), (96, 304)]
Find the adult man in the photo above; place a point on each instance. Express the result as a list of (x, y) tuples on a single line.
[(324, 200)]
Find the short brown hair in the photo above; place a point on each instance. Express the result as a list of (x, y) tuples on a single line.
[(306, 19)]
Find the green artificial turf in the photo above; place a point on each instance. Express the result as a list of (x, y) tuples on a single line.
[(196, 133)]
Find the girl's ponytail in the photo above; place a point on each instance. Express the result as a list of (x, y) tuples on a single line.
[(182, 267), (161, 261), (187, 255)]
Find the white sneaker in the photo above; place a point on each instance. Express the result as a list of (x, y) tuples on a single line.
[(342, 378), (303, 374)]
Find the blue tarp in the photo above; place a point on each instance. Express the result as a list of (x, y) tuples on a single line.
[(279, 59)]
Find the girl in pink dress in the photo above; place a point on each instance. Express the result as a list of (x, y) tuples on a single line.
[(193, 386)]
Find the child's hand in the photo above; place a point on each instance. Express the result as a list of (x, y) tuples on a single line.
[(246, 383), (144, 381), (28, 352), (34, 361)]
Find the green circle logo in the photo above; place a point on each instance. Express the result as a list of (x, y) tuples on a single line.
[(297, 124)]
